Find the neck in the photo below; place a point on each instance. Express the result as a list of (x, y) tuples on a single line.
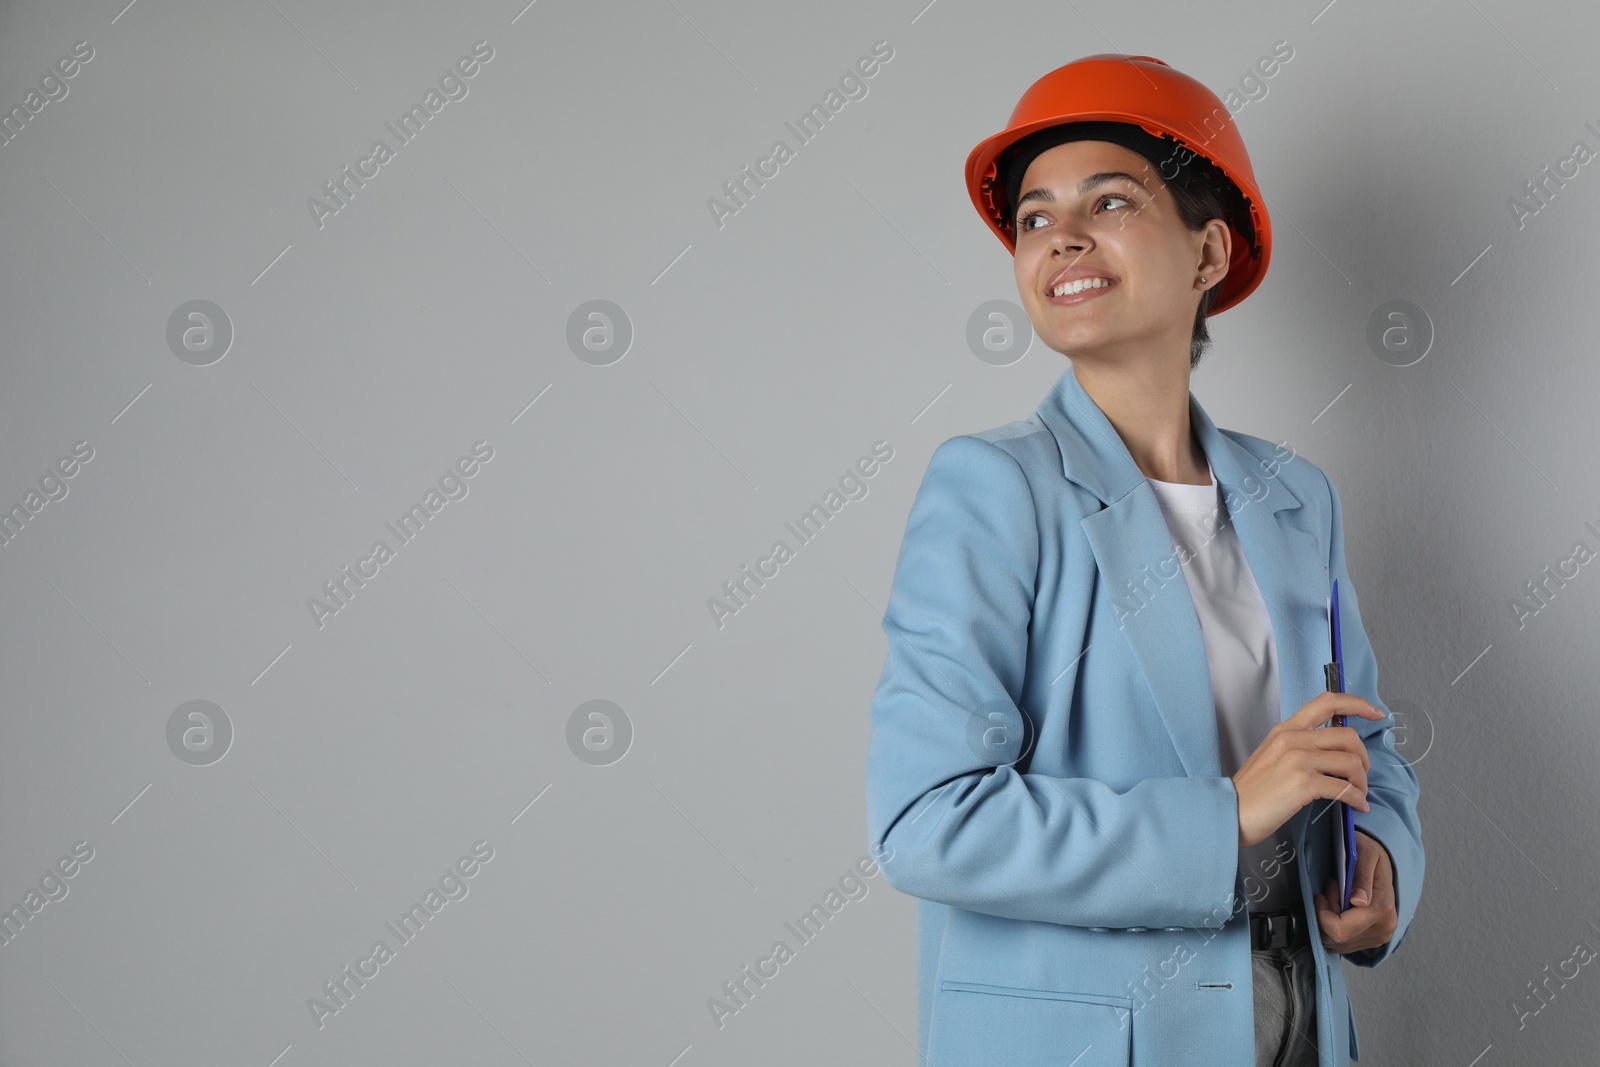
[(1148, 406)]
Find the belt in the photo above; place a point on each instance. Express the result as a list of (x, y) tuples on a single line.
[(1278, 929)]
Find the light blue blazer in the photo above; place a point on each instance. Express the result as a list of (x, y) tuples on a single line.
[(1043, 767)]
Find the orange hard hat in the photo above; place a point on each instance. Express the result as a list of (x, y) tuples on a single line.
[(1145, 92)]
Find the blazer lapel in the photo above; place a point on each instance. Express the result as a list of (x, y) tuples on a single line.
[(1134, 552)]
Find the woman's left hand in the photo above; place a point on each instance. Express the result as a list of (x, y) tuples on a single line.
[(1371, 918)]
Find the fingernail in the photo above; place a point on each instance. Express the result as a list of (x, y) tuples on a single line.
[(1358, 897)]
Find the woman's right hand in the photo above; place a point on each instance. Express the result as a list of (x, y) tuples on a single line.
[(1298, 762)]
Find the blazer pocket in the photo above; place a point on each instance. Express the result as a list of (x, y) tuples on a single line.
[(980, 1025)]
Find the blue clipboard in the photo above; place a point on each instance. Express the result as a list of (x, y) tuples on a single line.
[(1344, 827)]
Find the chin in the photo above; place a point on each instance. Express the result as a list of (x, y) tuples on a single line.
[(1078, 338)]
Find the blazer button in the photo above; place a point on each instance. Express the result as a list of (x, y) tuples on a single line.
[(1137, 929), (1172, 928), (1101, 929)]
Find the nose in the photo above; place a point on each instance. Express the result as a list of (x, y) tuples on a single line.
[(1069, 247), (1069, 236)]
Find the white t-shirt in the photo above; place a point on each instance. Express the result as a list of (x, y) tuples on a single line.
[(1241, 655)]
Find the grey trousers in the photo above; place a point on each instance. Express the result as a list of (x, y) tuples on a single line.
[(1285, 1006)]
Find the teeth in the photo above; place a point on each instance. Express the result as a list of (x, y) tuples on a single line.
[(1079, 286)]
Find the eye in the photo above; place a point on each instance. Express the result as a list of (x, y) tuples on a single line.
[(1024, 222)]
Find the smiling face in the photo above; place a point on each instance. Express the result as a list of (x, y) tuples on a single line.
[(1097, 210)]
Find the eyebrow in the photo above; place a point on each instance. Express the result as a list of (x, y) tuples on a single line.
[(1093, 181)]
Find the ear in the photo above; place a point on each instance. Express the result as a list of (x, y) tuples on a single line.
[(1216, 249)]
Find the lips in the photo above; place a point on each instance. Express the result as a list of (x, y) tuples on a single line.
[(1072, 274), (1080, 297)]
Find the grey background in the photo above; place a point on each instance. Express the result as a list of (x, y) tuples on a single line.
[(768, 355)]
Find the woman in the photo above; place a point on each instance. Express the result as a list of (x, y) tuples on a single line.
[(1103, 782)]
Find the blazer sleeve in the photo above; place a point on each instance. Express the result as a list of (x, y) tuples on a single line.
[(1392, 786), (951, 822)]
